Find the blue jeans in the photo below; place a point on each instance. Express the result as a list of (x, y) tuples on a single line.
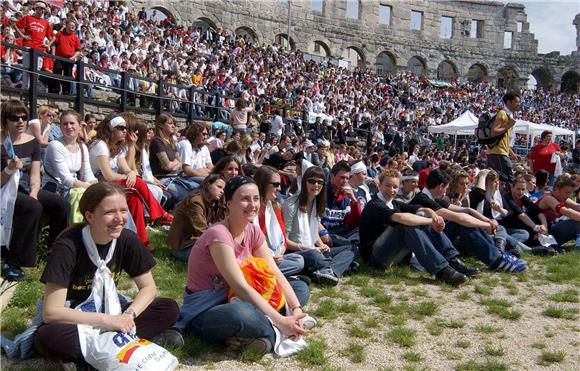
[(431, 248), (338, 259), (515, 235), (474, 241), (240, 319), (565, 231), (291, 264), (182, 254)]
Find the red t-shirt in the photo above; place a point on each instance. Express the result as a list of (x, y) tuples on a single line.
[(542, 155), (423, 178), (37, 29), (66, 44)]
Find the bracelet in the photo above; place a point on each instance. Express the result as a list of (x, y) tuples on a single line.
[(296, 307), (9, 171), (537, 227)]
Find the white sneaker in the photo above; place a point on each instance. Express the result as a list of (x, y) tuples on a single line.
[(309, 322)]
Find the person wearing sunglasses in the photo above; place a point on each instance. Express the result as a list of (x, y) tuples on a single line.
[(195, 158), (41, 127), (107, 152), (270, 221), (302, 213), (20, 154)]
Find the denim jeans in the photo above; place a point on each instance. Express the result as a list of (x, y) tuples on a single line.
[(338, 259), (431, 248), (240, 319), (565, 231), (182, 254), (474, 241), (515, 235), (291, 264)]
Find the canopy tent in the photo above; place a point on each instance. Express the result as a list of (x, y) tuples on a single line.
[(467, 122)]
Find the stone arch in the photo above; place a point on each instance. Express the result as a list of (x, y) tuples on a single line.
[(417, 65), (570, 82), (508, 77), (355, 56), (447, 71), (477, 73), (386, 62), (247, 33), (544, 78), (205, 23), (282, 39), (320, 48), (160, 9)]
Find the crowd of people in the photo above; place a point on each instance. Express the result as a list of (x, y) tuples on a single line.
[(299, 202)]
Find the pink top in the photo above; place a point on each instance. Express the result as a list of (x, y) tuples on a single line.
[(202, 272)]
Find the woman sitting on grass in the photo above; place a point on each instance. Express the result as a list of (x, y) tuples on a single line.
[(214, 266), (200, 209), (107, 156), (71, 271), (228, 167)]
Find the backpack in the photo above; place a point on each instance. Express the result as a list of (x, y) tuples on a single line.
[(483, 130)]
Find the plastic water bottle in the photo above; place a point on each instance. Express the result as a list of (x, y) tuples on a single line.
[(577, 247)]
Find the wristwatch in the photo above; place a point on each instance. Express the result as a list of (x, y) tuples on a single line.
[(130, 312)]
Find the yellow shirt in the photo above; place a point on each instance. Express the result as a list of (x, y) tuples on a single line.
[(502, 148), (196, 80)]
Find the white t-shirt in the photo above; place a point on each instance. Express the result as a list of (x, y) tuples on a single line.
[(99, 148), (197, 159), (277, 125), (61, 165)]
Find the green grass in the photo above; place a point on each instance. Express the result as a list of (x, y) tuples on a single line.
[(552, 357), (501, 307), (463, 344), (538, 345), (435, 328), (326, 309), (355, 331), (463, 296), (355, 352), (567, 296), (482, 366), (372, 322), (412, 357), (331, 292), (560, 312), (314, 354), (482, 290), (563, 268), (402, 336), (492, 351)]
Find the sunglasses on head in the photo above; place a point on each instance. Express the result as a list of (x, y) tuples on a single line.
[(315, 181), (275, 184), (18, 117)]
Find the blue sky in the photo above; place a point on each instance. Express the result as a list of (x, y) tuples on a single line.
[(551, 23)]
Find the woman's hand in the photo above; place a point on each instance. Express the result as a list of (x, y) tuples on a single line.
[(15, 164), (323, 248), (496, 206), (131, 179), (132, 138), (291, 326), (120, 322)]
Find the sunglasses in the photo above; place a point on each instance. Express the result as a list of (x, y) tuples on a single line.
[(275, 184), (121, 128), (17, 118), (315, 181)]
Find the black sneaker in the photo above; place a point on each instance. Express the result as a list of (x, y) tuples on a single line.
[(11, 273), (544, 250), (451, 276), (459, 266), (261, 346), (168, 337), (300, 277), (325, 277)]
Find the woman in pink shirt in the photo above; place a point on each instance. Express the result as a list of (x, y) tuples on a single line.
[(214, 266)]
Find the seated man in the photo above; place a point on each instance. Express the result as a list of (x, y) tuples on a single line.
[(358, 177), (390, 230), (409, 183), (468, 224)]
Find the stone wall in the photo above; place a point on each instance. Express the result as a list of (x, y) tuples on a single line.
[(390, 47)]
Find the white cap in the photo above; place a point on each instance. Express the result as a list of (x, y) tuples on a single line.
[(359, 167), (117, 121)]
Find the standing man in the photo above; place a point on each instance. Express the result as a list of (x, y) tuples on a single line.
[(498, 157), (33, 29), (67, 45)]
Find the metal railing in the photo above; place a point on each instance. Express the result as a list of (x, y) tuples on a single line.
[(196, 106)]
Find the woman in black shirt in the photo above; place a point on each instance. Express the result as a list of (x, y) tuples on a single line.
[(21, 153)]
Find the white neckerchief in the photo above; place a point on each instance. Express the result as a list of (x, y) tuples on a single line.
[(146, 171), (308, 226), (274, 234), (490, 198), (384, 199), (103, 282)]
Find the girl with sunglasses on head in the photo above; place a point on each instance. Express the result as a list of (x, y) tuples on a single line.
[(271, 223), (20, 154), (196, 161), (107, 154), (302, 213), (40, 128)]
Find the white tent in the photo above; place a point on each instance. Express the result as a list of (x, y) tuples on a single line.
[(467, 122)]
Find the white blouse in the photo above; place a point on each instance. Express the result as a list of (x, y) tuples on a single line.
[(61, 165)]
